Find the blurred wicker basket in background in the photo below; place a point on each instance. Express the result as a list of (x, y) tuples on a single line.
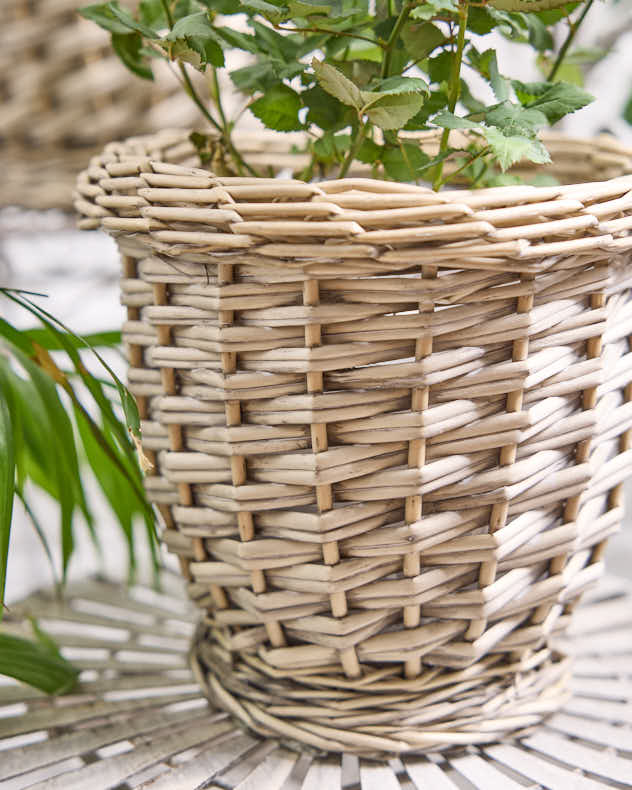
[(389, 426), (64, 94)]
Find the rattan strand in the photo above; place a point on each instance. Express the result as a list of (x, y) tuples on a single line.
[(389, 427)]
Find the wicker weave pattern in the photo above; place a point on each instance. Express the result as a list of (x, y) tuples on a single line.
[(390, 429)]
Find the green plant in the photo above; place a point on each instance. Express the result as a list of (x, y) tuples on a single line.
[(56, 419), (360, 84)]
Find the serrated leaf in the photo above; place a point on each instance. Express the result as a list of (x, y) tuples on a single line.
[(555, 100), (431, 8), (272, 12), (32, 663), (336, 84), (399, 85), (514, 119), (508, 150), (193, 25), (278, 109), (128, 47), (393, 111)]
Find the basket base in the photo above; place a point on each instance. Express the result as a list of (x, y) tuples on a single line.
[(382, 715)]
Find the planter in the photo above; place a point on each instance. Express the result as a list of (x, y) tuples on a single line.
[(390, 429), (64, 95)]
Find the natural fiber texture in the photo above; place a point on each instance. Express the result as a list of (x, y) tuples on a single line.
[(389, 426), (63, 89)]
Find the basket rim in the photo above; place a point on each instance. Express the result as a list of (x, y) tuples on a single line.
[(602, 144)]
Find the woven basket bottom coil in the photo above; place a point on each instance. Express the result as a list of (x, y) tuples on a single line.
[(487, 702)]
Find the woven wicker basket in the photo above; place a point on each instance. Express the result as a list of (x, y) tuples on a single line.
[(64, 95), (389, 427)]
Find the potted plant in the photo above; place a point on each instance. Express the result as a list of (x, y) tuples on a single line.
[(390, 421)]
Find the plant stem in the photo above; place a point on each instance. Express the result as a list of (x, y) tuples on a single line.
[(454, 88), (392, 39), (463, 167), (188, 85), (338, 33), (353, 150), (573, 28)]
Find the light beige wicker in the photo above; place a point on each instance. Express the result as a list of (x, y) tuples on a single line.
[(389, 427), (63, 89), (138, 720)]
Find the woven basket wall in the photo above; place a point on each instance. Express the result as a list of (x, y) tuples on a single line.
[(64, 94), (389, 428)]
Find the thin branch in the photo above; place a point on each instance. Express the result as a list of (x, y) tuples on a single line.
[(572, 32)]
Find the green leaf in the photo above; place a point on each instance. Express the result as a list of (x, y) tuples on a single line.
[(527, 5), (128, 20), (404, 162), (128, 47), (196, 34), (324, 110), (109, 338), (336, 84), (540, 36), (627, 110), (272, 12), (399, 85), (432, 105), (239, 40), (278, 109), (439, 67), (500, 84), (553, 100), (258, 77), (7, 482), (511, 149), (152, 13), (431, 8), (16, 337), (421, 39), (393, 111), (104, 16), (331, 148), (34, 664), (208, 49), (114, 483), (448, 120), (192, 25), (514, 119), (224, 7), (369, 152)]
